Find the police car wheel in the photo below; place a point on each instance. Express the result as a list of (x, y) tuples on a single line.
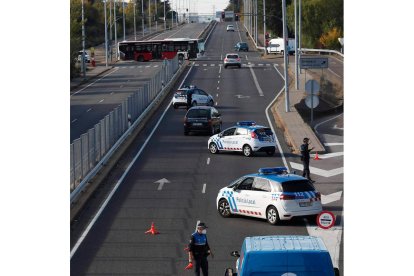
[(270, 152), (224, 208), (247, 151), (213, 148), (272, 215)]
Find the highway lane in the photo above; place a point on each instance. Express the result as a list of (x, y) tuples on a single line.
[(117, 244), (192, 30), (90, 104)]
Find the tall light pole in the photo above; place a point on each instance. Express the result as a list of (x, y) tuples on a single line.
[(264, 25), (156, 16), (149, 15), (83, 44), (123, 16), (285, 38), (110, 20), (116, 46), (296, 48), (142, 16), (165, 18), (135, 24), (106, 38)]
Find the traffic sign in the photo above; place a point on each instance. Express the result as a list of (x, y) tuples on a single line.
[(326, 220), (312, 87), (313, 62), (312, 103)]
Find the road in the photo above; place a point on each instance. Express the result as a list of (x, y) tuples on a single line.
[(116, 243)]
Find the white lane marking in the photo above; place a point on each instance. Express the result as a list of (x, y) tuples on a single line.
[(112, 93), (326, 199), (197, 64), (213, 64), (216, 103), (205, 69), (260, 64), (331, 237), (217, 95), (316, 127), (273, 130), (220, 70), (336, 127), (204, 65), (116, 69), (101, 100), (74, 121), (218, 87), (333, 144), (221, 57), (204, 188), (147, 66), (218, 81), (247, 58), (103, 206), (256, 83), (329, 69), (317, 171), (89, 110), (155, 65), (208, 161), (181, 85)]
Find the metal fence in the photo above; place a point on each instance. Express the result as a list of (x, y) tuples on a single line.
[(91, 147)]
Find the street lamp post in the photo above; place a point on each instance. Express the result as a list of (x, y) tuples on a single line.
[(142, 11), (285, 39), (155, 17), (135, 24), (149, 15), (165, 18), (106, 38), (123, 16), (83, 44), (116, 48)]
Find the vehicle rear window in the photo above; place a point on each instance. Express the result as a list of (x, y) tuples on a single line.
[(243, 44), (263, 131), (232, 56), (182, 92), (297, 186), (198, 113)]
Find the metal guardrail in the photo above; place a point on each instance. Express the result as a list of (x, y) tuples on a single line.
[(303, 50), (92, 150)]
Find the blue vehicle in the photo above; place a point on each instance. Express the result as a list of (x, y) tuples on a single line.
[(241, 46), (282, 256)]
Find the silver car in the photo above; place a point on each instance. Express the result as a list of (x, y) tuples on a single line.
[(230, 28), (232, 60)]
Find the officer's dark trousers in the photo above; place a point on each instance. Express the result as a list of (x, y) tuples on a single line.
[(306, 171), (201, 262)]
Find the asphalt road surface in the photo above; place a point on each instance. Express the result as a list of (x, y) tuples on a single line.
[(116, 243)]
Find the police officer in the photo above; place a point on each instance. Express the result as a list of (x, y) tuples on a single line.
[(304, 150), (189, 98), (199, 249)]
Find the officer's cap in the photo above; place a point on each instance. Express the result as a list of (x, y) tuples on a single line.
[(202, 224), (305, 139)]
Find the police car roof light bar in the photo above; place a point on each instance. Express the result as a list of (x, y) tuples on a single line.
[(246, 123), (273, 170)]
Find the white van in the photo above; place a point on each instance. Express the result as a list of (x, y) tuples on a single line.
[(276, 46)]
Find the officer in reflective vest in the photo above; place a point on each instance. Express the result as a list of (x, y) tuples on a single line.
[(305, 150), (199, 249)]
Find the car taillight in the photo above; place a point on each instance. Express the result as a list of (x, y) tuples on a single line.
[(225, 59), (286, 197), (238, 59), (253, 135)]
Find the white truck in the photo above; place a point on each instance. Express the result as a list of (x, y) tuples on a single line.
[(276, 46)]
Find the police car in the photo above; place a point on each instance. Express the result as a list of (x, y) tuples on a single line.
[(246, 137), (199, 97), (272, 194)]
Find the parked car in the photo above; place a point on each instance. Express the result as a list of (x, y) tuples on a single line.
[(241, 46), (198, 97), (245, 137), (232, 60), (202, 119), (272, 194), (87, 57), (230, 28)]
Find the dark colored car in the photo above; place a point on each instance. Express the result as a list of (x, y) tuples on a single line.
[(202, 119), (241, 46)]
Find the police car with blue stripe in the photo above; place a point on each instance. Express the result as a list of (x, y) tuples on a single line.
[(246, 137), (272, 194)]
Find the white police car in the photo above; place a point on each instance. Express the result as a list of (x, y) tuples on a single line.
[(246, 137), (271, 194), (199, 97)]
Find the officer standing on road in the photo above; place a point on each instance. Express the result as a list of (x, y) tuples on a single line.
[(304, 150), (199, 249), (189, 98)]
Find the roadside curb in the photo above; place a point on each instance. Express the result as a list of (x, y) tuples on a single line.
[(91, 77)]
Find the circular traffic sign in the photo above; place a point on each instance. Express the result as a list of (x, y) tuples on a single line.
[(312, 87), (325, 220), (312, 103)]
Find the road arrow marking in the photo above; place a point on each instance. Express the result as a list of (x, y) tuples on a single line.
[(241, 96), (317, 171), (336, 127), (326, 199), (333, 144), (161, 183)]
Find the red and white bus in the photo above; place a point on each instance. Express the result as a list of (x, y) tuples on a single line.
[(185, 48)]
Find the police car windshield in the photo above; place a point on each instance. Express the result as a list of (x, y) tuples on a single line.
[(198, 113), (263, 131), (182, 92), (297, 186)]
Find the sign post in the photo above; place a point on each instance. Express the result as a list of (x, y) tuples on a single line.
[(312, 101)]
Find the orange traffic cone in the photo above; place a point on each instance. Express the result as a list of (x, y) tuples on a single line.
[(152, 230), (316, 157), (189, 266)]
